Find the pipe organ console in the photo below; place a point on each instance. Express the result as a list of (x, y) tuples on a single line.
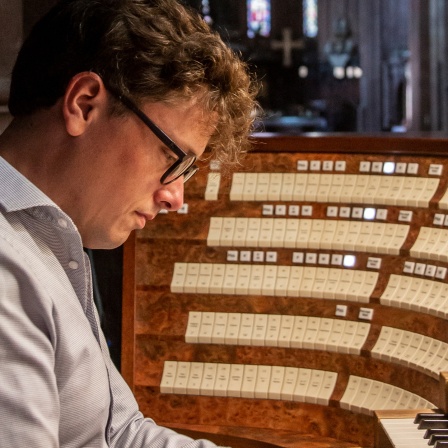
[(301, 300)]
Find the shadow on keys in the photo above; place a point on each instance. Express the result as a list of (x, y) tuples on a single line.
[(435, 426)]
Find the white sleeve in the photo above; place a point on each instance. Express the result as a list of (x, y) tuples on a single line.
[(130, 429), (29, 402)]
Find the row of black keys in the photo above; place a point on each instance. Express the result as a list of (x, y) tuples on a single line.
[(436, 428)]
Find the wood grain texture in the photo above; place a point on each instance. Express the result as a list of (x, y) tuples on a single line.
[(155, 319)]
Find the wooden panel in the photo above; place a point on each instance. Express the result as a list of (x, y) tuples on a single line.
[(155, 319)]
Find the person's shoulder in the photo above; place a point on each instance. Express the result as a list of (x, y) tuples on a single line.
[(21, 271), (7, 232), (16, 253)]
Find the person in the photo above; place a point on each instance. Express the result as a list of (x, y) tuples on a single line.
[(113, 103)]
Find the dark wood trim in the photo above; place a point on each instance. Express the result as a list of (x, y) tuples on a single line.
[(381, 143), (128, 312)]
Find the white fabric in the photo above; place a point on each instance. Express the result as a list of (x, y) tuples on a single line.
[(58, 385)]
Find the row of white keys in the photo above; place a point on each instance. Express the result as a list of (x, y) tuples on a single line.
[(334, 191), (262, 186), (436, 301), (439, 248), (431, 357), (275, 186), (361, 188), (248, 381), (275, 280), (437, 357), (346, 284), (212, 187), (428, 296), (386, 343), (287, 185), (418, 294), (307, 332), (353, 188), (364, 395), (404, 433), (345, 189), (396, 190), (413, 350), (323, 188), (360, 285), (418, 191), (386, 189), (214, 231), (431, 244), (268, 186), (308, 234), (237, 186), (428, 188), (421, 241), (316, 233), (443, 203), (229, 281)]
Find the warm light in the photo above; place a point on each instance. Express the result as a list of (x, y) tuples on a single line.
[(389, 167), (369, 213), (303, 71), (357, 72), (339, 72), (349, 261)]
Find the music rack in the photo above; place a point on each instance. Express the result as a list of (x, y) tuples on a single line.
[(288, 301)]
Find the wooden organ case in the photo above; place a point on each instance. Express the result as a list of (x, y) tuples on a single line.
[(287, 302)]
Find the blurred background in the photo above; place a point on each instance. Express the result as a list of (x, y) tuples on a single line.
[(325, 65)]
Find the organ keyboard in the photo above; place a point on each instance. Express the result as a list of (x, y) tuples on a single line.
[(298, 301), (407, 429)]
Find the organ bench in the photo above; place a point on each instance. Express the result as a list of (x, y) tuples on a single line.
[(297, 300)]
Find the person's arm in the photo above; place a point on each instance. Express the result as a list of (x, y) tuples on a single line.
[(29, 403), (129, 429)]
